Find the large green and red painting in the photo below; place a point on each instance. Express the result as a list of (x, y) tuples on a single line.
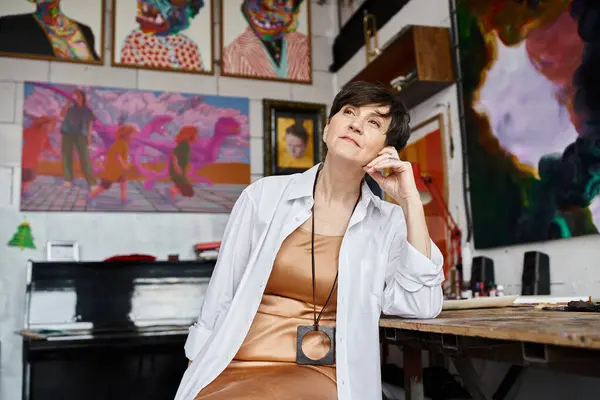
[(532, 104)]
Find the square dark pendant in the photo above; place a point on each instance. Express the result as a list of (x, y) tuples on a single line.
[(328, 359)]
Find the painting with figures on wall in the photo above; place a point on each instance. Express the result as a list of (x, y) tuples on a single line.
[(163, 35), (266, 40), (532, 130), (54, 30), (89, 148)]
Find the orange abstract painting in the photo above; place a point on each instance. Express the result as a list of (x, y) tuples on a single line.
[(427, 148)]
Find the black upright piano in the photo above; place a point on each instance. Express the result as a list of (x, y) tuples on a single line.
[(109, 330)]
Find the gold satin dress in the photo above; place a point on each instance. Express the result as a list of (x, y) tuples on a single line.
[(265, 365)]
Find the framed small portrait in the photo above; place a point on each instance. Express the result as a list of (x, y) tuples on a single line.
[(163, 35), (293, 136), (266, 40), (57, 30)]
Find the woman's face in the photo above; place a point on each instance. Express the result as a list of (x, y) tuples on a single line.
[(357, 134)]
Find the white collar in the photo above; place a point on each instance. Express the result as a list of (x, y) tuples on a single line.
[(302, 186)]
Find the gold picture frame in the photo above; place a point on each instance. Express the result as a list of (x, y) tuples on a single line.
[(300, 124)]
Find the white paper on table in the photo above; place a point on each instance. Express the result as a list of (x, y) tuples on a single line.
[(479, 302), (549, 299), (508, 301)]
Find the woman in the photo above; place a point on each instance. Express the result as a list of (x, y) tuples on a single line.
[(180, 161), (287, 240), (76, 130)]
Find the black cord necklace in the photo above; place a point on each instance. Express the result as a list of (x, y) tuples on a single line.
[(303, 330)]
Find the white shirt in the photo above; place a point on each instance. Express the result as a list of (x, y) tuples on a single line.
[(379, 271)]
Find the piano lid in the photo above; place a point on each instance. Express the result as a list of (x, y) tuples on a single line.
[(115, 296)]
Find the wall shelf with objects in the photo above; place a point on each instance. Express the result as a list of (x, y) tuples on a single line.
[(351, 37), (418, 62)]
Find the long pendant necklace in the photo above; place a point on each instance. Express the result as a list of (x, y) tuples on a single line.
[(329, 331)]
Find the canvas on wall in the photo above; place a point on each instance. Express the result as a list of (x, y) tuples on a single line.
[(533, 139), (266, 40), (427, 148), (293, 136), (55, 30), (89, 148), (163, 35)]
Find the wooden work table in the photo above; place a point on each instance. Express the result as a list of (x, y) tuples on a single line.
[(522, 336)]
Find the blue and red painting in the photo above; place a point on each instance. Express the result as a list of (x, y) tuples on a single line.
[(89, 148)]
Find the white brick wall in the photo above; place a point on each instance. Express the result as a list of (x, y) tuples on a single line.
[(102, 235)]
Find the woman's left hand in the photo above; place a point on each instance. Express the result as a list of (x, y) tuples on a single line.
[(400, 183)]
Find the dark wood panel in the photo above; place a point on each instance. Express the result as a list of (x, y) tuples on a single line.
[(51, 274), (99, 370), (433, 54), (425, 50), (398, 59), (63, 297), (419, 91)]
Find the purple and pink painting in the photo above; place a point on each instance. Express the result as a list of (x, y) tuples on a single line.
[(532, 119), (89, 148)]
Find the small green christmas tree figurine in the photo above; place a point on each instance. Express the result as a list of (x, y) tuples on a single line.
[(23, 238)]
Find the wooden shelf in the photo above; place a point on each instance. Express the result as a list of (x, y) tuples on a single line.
[(351, 38), (424, 49)]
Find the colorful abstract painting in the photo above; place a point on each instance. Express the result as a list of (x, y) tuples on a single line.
[(266, 40), (163, 35), (89, 148), (532, 118), (53, 30)]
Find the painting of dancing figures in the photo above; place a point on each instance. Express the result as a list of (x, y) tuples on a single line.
[(105, 149)]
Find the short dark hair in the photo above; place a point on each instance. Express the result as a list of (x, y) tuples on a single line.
[(298, 130), (361, 93)]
